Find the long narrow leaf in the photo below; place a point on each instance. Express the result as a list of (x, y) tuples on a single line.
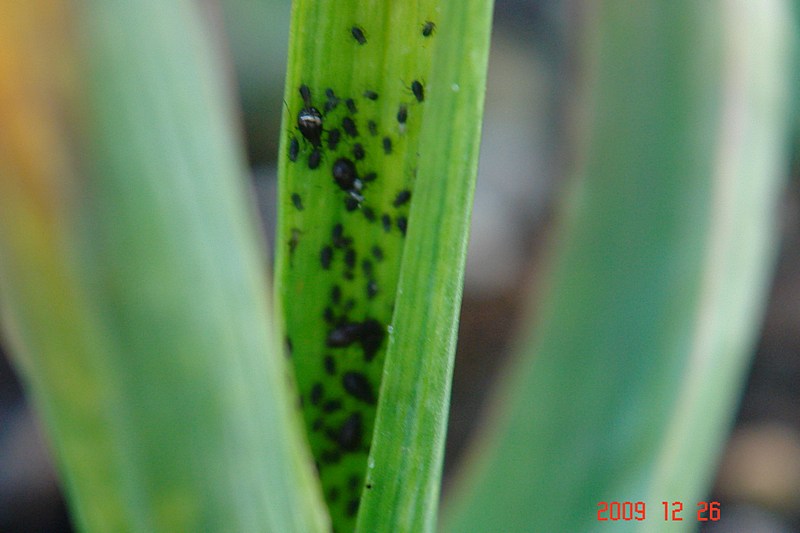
[(383, 109), (626, 390), (402, 487), (134, 286), (356, 101)]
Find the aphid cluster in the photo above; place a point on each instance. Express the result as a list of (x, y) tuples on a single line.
[(343, 431), (315, 127), (369, 334), (337, 137)]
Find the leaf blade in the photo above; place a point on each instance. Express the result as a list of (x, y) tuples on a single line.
[(168, 358), (593, 409)]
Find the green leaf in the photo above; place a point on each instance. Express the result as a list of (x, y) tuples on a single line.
[(406, 459), (410, 77), (134, 283), (627, 387), (339, 245)]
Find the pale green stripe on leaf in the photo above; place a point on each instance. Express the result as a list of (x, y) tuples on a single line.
[(405, 463)]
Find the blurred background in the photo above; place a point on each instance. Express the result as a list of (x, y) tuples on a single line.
[(522, 170)]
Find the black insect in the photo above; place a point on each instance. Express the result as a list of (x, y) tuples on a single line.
[(386, 220), (369, 214), (418, 90), (372, 289), (371, 95), (351, 105), (344, 335), (372, 127), (349, 127), (358, 386), (387, 145), (297, 201), (367, 267), (330, 365), (345, 175), (371, 337), (333, 138), (336, 294), (325, 257), (305, 94), (402, 114), (350, 258), (377, 253), (294, 240), (358, 35), (358, 152), (338, 238), (428, 28), (352, 507), (369, 334), (402, 198), (351, 203), (332, 100), (328, 315), (294, 149), (369, 176), (336, 233), (402, 224), (309, 121), (316, 393), (314, 159), (331, 406), (350, 433)]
